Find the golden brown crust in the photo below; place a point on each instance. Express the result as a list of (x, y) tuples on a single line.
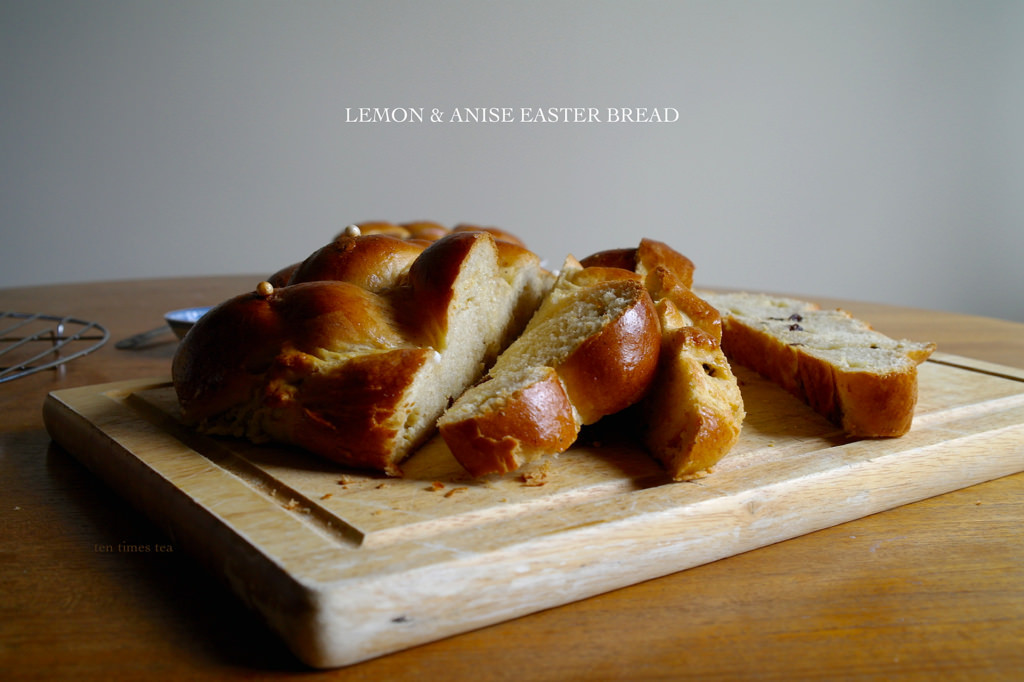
[(876, 405), (347, 413), (376, 227), (431, 280), (613, 369), (694, 412), (624, 259), (594, 275), (644, 258), (679, 306), (376, 262), (533, 421), (232, 348), (560, 375), (497, 233), (692, 415), (347, 360), (873, 397), (211, 372), (668, 275), (425, 230), (652, 254), (864, 404)]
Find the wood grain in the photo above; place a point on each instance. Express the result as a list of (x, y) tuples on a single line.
[(347, 566), (932, 589)]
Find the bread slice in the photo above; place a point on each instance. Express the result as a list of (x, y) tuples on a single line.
[(590, 350), (359, 371), (860, 379), (693, 413)]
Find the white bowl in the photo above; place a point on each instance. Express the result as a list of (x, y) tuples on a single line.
[(180, 321)]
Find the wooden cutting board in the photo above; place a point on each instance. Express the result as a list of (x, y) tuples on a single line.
[(348, 566)]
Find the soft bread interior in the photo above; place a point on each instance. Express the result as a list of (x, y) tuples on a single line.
[(694, 412), (860, 379), (485, 312), (571, 314), (831, 335), (361, 377)]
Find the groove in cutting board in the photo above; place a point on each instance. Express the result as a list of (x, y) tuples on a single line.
[(347, 565)]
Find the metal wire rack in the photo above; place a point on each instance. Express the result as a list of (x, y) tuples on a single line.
[(33, 342)]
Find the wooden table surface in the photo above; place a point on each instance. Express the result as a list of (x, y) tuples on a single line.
[(933, 590)]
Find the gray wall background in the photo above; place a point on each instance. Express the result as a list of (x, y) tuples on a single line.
[(870, 150)]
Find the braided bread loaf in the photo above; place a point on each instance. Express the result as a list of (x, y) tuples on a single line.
[(355, 352), (363, 350)]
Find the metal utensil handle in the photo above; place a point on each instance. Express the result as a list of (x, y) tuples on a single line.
[(139, 339)]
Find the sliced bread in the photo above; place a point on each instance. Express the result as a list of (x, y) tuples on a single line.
[(359, 371), (590, 350), (693, 412), (862, 380)]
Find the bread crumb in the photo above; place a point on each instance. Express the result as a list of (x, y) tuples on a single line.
[(381, 486), (537, 477), (696, 475), (455, 490), (291, 504), (435, 486), (326, 496)]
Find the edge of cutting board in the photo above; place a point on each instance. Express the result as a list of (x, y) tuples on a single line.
[(337, 598)]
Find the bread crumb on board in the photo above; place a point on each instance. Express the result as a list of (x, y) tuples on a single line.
[(295, 505), (697, 475), (536, 477)]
